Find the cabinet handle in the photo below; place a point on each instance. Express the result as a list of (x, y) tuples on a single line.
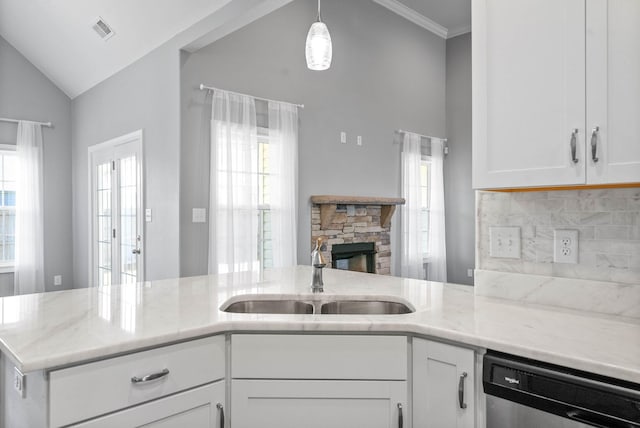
[(594, 144), (220, 408), (463, 405), (150, 377), (400, 415), (574, 147)]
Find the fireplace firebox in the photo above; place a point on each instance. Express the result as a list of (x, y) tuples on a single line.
[(358, 257)]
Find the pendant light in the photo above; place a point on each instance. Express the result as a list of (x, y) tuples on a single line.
[(318, 48)]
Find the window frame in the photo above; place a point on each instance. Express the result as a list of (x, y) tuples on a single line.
[(8, 266), (263, 138), (425, 160)]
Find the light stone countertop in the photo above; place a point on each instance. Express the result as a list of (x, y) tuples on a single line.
[(42, 331)]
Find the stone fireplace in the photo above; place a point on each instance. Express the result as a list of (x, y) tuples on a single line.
[(364, 221)]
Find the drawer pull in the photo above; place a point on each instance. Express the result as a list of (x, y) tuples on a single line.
[(220, 408), (461, 402), (150, 377)]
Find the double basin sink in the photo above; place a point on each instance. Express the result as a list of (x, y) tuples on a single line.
[(335, 305)]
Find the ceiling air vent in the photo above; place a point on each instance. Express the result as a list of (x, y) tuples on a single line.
[(102, 28)]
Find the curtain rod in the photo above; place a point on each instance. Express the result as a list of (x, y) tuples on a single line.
[(402, 131), (211, 88), (444, 140), (47, 124)]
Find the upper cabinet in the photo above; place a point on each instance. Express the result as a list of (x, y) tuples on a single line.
[(556, 92)]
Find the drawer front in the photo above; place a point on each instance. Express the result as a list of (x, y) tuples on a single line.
[(270, 356), (89, 390)]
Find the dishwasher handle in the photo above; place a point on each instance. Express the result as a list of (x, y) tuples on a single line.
[(596, 420)]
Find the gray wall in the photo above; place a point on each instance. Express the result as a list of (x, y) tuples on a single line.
[(26, 93), (387, 73), (146, 95), (143, 96), (459, 196)]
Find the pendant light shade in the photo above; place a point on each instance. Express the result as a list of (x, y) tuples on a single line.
[(318, 48)]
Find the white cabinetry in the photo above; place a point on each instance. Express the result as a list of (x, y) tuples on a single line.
[(546, 73), (318, 403), (313, 381), (86, 391), (202, 407), (443, 385), (613, 90)]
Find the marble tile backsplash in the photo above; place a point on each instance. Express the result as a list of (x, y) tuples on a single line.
[(608, 222)]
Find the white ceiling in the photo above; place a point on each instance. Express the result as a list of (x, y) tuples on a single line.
[(56, 35)]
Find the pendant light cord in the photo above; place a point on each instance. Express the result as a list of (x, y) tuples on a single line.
[(319, 19)]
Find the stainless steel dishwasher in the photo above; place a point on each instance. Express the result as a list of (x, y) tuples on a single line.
[(523, 393)]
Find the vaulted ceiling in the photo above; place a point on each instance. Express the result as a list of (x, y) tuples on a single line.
[(57, 35)]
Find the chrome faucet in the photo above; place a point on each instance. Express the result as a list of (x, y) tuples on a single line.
[(318, 262)]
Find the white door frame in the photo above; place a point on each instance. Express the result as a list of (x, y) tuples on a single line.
[(137, 138)]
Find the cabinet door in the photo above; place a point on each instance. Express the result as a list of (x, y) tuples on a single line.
[(613, 91), (528, 92), (197, 408), (443, 385), (317, 404)]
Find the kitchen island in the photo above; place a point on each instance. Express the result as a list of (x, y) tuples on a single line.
[(63, 330)]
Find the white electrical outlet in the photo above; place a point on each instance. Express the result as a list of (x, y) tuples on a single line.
[(19, 382), (147, 215), (359, 140), (343, 137), (470, 273), (57, 280), (565, 246), (504, 242)]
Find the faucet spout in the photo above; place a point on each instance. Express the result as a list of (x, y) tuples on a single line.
[(318, 263)]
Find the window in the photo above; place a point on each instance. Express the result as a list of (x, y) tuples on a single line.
[(425, 165), (7, 205), (265, 253)]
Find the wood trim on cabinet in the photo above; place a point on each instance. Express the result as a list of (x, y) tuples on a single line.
[(580, 187)]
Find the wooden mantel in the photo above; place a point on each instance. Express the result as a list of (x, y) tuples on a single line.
[(329, 203)]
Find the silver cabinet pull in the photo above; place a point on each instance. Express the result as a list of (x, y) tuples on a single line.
[(463, 405), (594, 144), (136, 251), (574, 146), (400, 421), (220, 408), (150, 377)]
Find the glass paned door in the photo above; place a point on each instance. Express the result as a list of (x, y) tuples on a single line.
[(116, 211)]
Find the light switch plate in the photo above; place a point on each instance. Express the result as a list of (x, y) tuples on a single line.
[(199, 215), (565, 246), (504, 242), (147, 215)]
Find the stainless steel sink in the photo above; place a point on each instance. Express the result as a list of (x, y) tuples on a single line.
[(365, 307), (270, 307)]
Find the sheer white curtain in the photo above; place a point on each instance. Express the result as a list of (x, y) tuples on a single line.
[(233, 202), (437, 270), (411, 254), (29, 263), (283, 150)]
